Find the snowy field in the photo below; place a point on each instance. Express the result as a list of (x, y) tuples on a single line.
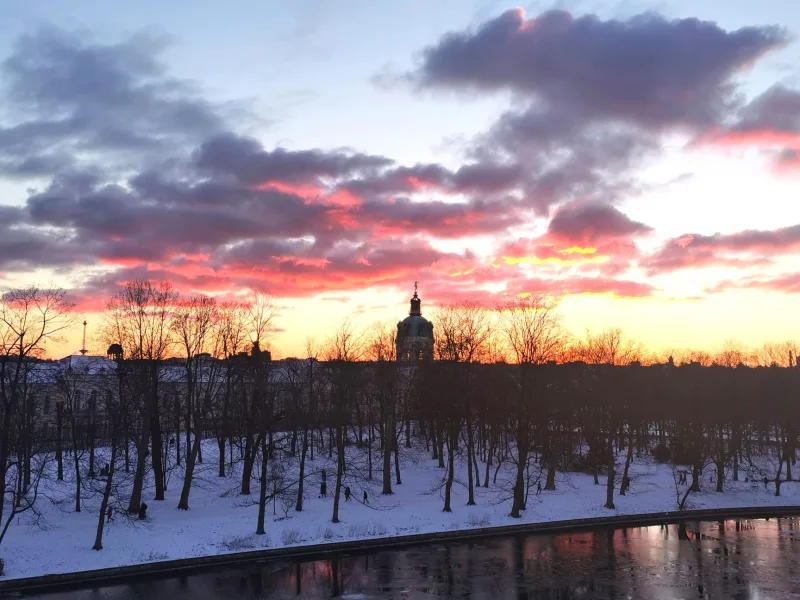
[(220, 520)]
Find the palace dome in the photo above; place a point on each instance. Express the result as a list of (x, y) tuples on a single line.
[(415, 334)]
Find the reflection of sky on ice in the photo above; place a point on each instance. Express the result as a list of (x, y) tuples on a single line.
[(750, 559)]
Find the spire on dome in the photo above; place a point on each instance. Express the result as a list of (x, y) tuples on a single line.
[(416, 303)]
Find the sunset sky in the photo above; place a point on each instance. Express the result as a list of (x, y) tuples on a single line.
[(639, 159)]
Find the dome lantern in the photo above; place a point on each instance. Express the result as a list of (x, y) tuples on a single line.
[(416, 304)]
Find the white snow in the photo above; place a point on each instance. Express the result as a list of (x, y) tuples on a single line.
[(222, 521)]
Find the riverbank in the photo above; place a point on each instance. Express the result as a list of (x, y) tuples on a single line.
[(218, 528), (190, 566)]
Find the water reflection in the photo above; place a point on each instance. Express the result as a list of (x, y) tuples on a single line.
[(753, 559)]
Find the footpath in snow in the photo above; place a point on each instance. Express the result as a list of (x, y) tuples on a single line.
[(220, 520)]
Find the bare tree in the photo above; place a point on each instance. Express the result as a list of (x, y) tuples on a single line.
[(464, 333), (26, 502), (71, 390), (29, 318), (732, 354), (609, 347), (231, 340), (261, 316), (381, 348), (778, 354), (533, 331), (343, 350), (534, 334), (138, 318), (112, 481), (194, 324)]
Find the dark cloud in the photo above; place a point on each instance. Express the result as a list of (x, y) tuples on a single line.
[(66, 97), (24, 249), (565, 161), (483, 178), (143, 174), (593, 96), (438, 218), (770, 121), (246, 159), (647, 69), (744, 248), (777, 109), (593, 224)]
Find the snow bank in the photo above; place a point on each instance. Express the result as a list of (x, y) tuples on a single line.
[(222, 521)]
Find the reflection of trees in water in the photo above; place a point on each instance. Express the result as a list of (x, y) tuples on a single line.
[(730, 559)]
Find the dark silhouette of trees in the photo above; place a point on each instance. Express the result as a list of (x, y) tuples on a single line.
[(343, 351), (533, 333), (29, 318), (138, 318), (507, 387)]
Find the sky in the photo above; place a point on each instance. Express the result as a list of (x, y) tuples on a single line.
[(638, 160)]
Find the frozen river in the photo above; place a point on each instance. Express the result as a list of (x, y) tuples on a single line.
[(747, 559)]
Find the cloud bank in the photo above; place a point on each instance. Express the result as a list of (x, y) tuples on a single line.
[(136, 171)]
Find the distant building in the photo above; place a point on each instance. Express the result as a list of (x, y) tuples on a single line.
[(415, 334)]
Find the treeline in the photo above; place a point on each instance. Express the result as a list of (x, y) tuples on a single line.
[(510, 391)]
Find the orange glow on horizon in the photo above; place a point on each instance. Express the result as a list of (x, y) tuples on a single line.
[(553, 260), (578, 250)]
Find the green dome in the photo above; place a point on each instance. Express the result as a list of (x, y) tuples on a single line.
[(415, 326)]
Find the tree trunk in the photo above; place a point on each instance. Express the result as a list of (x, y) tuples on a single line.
[(626, 482), (262, 495), (158, 459), (339, 472), (77, 462), (177, 425), (488, 466), (191, 458), (550, 484), (387, 461), (91, 450), (299, 506), (369, 449), (611, 473), (75, 457), (250, 450), (221, 446), (448, 486), (127, 443), (470, 478), (477, 470), (519, 484), (187, 425), (98, 539), (397, 479), (59, 437), (695, 487), (141, 463)]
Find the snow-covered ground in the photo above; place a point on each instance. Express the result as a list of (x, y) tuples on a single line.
[(222, 521)]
